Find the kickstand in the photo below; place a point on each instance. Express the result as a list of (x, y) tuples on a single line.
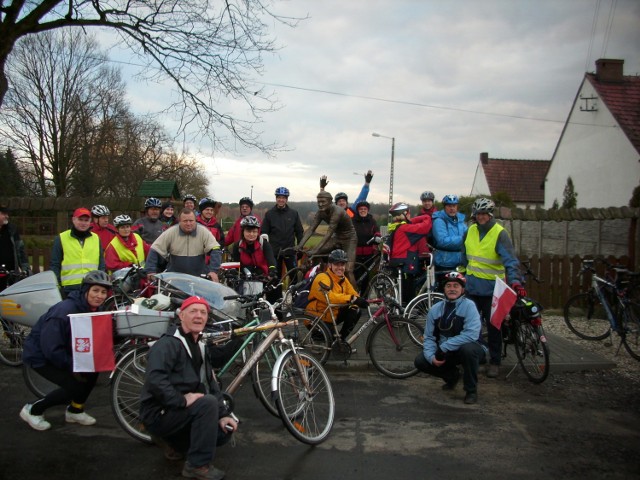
[(511, 371)]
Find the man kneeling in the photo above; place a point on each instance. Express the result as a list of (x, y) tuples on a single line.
[(452, 338), (181, 403)]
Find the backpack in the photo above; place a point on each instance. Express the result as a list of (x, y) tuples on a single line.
[(301, 291)]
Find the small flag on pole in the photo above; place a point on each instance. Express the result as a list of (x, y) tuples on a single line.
[(92, 342), (503, 299)]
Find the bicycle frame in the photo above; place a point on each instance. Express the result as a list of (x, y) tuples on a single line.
[(598, 285)]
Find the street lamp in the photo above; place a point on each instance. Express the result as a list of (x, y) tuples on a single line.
[(393, 148)]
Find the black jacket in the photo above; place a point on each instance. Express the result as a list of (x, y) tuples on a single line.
[(284, 228), (14, 257)]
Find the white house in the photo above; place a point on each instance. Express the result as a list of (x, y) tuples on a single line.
[(599, 147)]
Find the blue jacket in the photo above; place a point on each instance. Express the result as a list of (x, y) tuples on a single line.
[(504, 248), (50, 339), (364, 193), (466, 313), (448, 235)]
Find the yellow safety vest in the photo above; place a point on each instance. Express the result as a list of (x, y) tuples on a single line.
[(126, 255), (77, 259), (484, 261)]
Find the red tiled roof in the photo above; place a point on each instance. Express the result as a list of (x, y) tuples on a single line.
[(623, 100), (522, 180)]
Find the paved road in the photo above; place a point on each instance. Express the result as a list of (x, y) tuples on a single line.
[(384, 429)]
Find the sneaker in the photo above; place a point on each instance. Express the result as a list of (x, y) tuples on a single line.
[(37, 422), (82, 418), (452, 384), (205, 472), (470, 398), (493, 371)]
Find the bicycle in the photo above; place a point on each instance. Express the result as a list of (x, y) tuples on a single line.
[(418, 308), (12, 334), (299, 385), (607, 307), (392, 344)]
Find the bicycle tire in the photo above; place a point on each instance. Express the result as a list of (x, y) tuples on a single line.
[(532, 352), (12, 337), (313, 336), (126, 386), (585, 316), (261, 377), (418, 308), (307, 413), (37, 384), (393, 347), (380, 286), (630, 333)]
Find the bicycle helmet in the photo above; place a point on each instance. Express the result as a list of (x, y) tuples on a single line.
[(97, 277), (282, 191), (152, 202), (121, 220), (246, 201), (250, 222), (191, 197), (454, 277), (450, 200), (427, 196), (363, 203), (206, 202), (483, 205), (100, 211), (338, 256), (341, 196), (399, 209)]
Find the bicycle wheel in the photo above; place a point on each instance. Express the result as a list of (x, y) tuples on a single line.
[(631, 329), (12, 338), (532, 352), (261, 376), (418, 308), (305, 398), (126, 386), (313, 336), (38, 385), (586, 317), (393, 347), (380, 286)]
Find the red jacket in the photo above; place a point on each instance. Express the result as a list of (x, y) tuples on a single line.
[(214, 227), (106, 234), (235, 232), (407, 240), (111, 258)]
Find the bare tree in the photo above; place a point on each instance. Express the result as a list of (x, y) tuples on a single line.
[(209, 50)]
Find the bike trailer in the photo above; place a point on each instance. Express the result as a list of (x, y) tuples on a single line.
[(26, 301)]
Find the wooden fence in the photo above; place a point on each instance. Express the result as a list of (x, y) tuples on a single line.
[(559, 274)]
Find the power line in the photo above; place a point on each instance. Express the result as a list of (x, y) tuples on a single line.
[(592, 36)]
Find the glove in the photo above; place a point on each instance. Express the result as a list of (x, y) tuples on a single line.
[(361, 302), (368, 177), (323, 182), (519, 289), (439, 354)]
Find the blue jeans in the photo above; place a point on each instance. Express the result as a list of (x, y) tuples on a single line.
[(468, 355)]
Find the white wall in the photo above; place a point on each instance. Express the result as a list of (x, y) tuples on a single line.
[(604, 166), (480, 185)]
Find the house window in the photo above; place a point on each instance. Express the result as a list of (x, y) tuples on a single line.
[(590, 104)]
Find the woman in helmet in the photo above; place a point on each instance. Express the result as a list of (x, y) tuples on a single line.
[(246, 208), (207, 218), (452, 337), (254, 253), (447, 236), (487, 253), (428, 208), (407, 237), (48, 350), (150, 227), (100, 224), (167, 215), (340, 292), (369, 238), (127, 247), (189, 201)]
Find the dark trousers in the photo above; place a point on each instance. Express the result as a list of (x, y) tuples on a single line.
[(468, 355), (494, 335), (74, 387), (348, 317), (193, 430)]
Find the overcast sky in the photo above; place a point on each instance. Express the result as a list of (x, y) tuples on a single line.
[(454, 78)]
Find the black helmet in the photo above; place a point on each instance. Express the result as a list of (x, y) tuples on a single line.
[(427, 196), (96, 277), (152, 202), (363, 203), (249, 222), (338, 256), (246, 201), (206, 202), (191, 197), (454, 277), (341, 196)]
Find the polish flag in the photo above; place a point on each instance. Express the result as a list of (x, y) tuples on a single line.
[(92, 342), (503, 299)]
